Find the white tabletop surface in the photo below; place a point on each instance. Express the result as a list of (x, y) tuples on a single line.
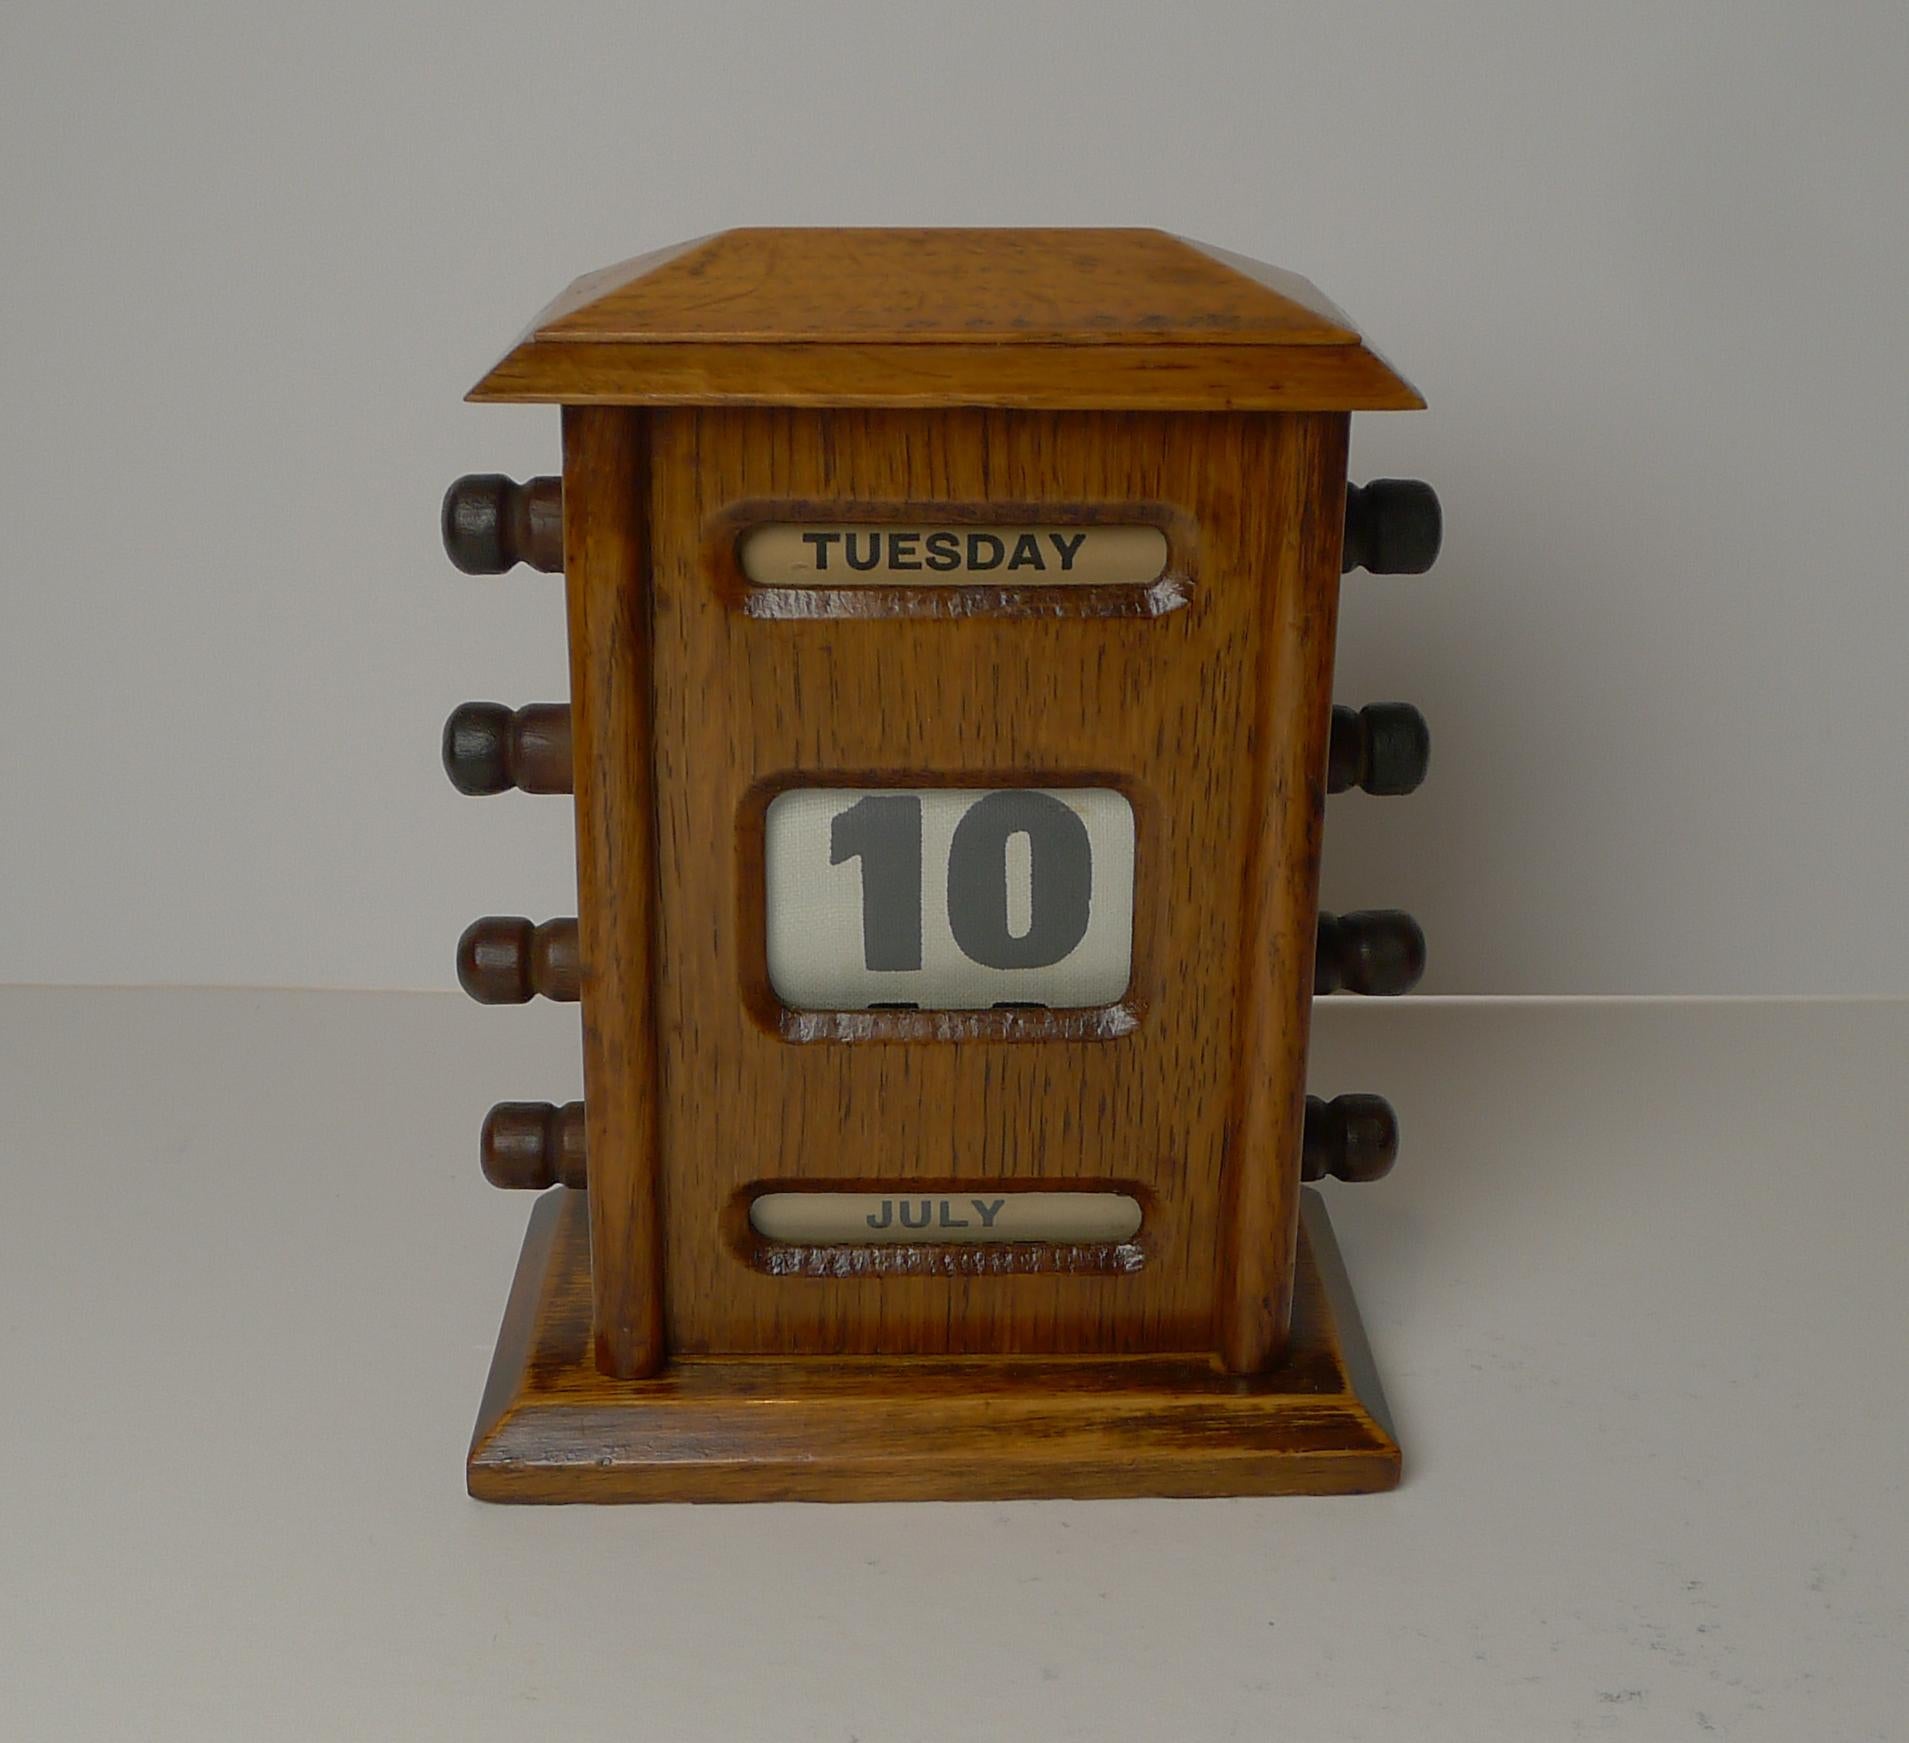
[(1637, 1291)]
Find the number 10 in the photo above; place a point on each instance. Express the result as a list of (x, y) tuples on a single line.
[(948, 898), (883, 831)]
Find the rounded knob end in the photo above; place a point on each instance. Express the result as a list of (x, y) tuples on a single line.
[(1398, 748), (491, 524), (1379, 952), (1393, 526), (528, 1145), (1383, 748), (503, 959), (493, 960), (489, 748), (476, 524), (1352, 1137), (477, 748)]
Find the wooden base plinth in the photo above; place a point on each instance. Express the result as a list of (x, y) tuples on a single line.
[(923, 1429)]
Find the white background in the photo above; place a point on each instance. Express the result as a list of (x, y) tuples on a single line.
[(1647, 262)]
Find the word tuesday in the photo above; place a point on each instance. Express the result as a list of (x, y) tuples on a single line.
[(945, 550)]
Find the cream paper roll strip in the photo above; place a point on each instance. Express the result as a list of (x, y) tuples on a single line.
[(989, 1215), (783, 554)]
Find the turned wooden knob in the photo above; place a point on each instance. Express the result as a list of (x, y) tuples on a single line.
[(492, 524), (1393, 527), (1384, 747), (528, 1145), (489, 748), (1380, 952), (505, 960), (1351, 1137)]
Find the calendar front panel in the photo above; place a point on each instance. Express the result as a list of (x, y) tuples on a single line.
[(950, 909)]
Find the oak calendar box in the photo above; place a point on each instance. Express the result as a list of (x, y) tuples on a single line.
[(951, 623)]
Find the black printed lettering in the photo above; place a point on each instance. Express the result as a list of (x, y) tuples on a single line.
[(977, 542), (1027, 553), (1068, 548)]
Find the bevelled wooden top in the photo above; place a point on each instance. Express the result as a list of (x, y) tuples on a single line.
[(1098, 319)]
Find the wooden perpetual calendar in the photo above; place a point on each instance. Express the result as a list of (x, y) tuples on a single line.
[(951, 621)]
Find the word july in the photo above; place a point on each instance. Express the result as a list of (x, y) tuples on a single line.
[(855, 1218), (916, 1213), (946, 550)]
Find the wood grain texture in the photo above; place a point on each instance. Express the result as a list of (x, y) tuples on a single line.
[(1057, 378), (553, 1428), (1292, 708), (607, 550), (919, 285), (1212, 717), (1131, 319)]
